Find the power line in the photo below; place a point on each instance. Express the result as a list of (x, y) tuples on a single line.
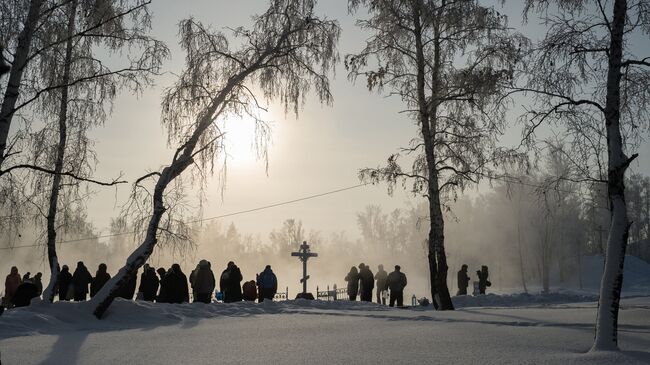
[(207, 219)]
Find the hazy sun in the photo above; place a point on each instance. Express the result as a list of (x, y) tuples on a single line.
[(239, 141)]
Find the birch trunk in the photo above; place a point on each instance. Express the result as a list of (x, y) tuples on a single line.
[(606, 338), (16, 74), (48, 294)]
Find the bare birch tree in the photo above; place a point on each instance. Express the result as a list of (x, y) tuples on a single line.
[(287, 52), (586, 76), (449, 62)]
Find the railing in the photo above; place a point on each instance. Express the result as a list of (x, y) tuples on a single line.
[(332, 294)]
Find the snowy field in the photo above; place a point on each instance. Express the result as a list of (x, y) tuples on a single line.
[(292, 332)]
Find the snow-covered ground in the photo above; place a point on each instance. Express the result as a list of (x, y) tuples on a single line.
[(291, 332)]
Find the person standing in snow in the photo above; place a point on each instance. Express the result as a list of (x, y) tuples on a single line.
[(37, 280), (63, 283), (27, 277), (163, 295), (175, 286), (203, 283), (148, 284), (11, 285), (127, 291), (367, 282), (80, 280), (24, 294), (100, 279), (396, 282), (483, 281), (353, 283), (267, 283), (463, 280), (381, 276), (229, 283)]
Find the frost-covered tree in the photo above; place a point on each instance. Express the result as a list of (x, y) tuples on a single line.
[(587, 75), (449, 62), (286, 53)]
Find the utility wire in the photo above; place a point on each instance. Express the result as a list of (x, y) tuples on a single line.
[(207, 219)]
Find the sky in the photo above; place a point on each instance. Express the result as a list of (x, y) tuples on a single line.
[(322, 150)]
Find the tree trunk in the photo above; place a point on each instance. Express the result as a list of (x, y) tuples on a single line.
[(612, 281), (48, 294), (16, 75)]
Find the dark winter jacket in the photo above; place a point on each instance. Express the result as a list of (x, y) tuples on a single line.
[(127, 291), (353, 281), (24, 294), (149, 284), (12, 282), (249, 291), (396, 281), (39, 284), (483, 281), (381, 277), (267, 280), (463, 280), (367, 281), (80, 279), (204, 282), (175, 287), (229, 284), (100, 279), (65, 278)]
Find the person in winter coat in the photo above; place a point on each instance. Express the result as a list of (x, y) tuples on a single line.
[(267, 284), (463, 280), (396, 282), (63, 283), (80, 280), (12, 282), (353, 283), (127, 291), (381, 276), (24, 294), (175, 286), (27, 277), (230, 283), (367, 283), (249, 291), (38, 281), (163, 296), (149, 284), (483, 281), (203, 282), (100, 279)]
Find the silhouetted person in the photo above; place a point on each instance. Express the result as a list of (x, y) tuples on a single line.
[(38, 281), (27, 277), (204, 283), (483, 281), (229, 283), (366, 282), (463, 280), (396, 282), (127, 291), (63, 282), (175, 283), (249, 291), (163, 296), (353, 283), (100, 279), (267, 283), (80, 280), (24, 294), (12, 282), (381, 277), (149, 284)]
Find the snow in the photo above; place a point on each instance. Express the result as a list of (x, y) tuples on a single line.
[(549, 329)]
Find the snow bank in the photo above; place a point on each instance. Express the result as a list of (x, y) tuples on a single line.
[(521, 299)]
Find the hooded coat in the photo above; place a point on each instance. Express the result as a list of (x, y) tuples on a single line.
[(80, 279), (149, 284), (100, 279), (11, 285), (175, 286), (65, 278), (353, 281), (230, 284), (204, 282)]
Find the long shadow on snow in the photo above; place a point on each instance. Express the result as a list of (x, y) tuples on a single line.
[(66, 349)]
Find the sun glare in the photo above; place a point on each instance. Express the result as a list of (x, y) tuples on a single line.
[(239, 141)]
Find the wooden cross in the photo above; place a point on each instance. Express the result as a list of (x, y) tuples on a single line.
[(304, 254)]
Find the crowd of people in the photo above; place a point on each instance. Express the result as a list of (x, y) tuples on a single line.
[(159, 285), (361, 282)]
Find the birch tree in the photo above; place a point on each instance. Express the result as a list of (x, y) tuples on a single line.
[(586, 75), (449, 62), (286, 53)]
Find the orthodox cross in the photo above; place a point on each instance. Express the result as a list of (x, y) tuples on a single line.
[(304, 254)]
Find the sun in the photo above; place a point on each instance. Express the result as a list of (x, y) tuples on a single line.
[(239, 141)]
